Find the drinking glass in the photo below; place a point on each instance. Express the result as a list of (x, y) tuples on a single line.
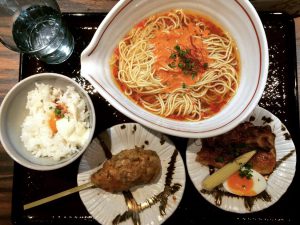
[(35, 27)]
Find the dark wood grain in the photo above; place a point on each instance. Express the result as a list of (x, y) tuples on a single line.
[(9, 72)]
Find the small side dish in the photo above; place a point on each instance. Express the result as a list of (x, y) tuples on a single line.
[(120, 173), (256, 183), (155, 176), (57, 124), (47, 121)]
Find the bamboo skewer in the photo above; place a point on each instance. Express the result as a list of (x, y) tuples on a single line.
[(58, 195), (104, 141)]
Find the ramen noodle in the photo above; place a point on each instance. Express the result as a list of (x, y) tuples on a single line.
[(178, 65)]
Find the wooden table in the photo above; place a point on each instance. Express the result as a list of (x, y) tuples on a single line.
[(9, 72)]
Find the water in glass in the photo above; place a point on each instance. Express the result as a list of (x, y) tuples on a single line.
[(40, 30)]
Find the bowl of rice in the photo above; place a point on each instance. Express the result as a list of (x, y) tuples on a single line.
[(46, 121)]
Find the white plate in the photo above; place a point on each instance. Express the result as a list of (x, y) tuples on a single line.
[(105, 206), (278, 181)]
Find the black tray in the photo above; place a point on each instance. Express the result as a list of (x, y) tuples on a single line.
[(280, 97)]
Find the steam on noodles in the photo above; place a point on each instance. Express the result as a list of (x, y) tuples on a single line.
[(177, 65)]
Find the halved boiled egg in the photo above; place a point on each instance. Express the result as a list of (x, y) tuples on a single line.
[(244, 186)]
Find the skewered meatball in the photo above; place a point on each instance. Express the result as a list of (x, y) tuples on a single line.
[(127, 169)]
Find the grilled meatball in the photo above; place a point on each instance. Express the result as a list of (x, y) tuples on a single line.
[(127, 169)]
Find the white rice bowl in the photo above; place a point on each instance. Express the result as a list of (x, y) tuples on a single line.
[(40, 153), (72, 130)]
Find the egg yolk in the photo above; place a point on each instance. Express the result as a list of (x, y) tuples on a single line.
[(57, 114), (52, 123), (241, 185)]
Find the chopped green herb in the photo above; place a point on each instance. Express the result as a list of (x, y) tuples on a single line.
[(177, 48), (188, 66), (186, 62), (246, 171), (50, 107), (182, 53), (247, 166), (58, 112), (193, 75), (180, 65), (205, 65), (172, 65), (173, 56), (183, 85)]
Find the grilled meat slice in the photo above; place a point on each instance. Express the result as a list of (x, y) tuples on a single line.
[(127, 169), (218, 151)]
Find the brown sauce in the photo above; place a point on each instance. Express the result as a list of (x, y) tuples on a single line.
[(248, 201), (284, 158), (162, 140), (267, 119), (106, 149), (252, 118), (287, 136)]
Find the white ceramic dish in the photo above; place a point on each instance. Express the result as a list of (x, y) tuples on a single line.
[(238, 17), (279, 180), (13, 113), (105, 206)]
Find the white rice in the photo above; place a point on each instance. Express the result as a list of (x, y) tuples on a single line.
[(72, 130)]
